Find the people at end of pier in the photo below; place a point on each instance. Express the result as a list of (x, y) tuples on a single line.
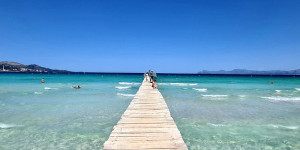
[(146, 76), (76, 87), (43, 80), (151, 76), (154, 83)]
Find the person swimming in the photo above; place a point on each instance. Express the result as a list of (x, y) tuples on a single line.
[(43, 80), (76, 87)]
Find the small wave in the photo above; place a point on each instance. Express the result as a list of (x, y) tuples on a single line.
[(217, 125), (48, 88), (122, 87), (162, 83), (215, 96), (38, 93), (277, 91), (179, 84), (200, 90), (192, 84), (183, 84), (128, 83), (6, 126), (281, 98), (185, 88), (298, 89), (242, 96), (282, 126), (126, 95)]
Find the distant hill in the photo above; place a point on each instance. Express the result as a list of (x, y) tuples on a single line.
[(252, 72), (9, 66)]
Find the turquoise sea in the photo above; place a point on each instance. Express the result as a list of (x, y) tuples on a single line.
[(211, 112)]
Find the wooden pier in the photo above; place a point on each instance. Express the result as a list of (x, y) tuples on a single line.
[(146, 124)]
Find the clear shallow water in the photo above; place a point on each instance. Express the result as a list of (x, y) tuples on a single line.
[(55, 116), (235, 112), (211, 112)]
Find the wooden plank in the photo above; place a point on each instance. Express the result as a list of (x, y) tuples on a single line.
[(157, 138), (146, 124)]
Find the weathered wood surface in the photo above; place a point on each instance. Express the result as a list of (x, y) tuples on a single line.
[(146, 124)]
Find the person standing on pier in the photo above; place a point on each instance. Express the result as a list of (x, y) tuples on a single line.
[(146, 76), (154, 83), (151, 76)]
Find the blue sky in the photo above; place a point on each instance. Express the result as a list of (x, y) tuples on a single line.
[(165, 35)]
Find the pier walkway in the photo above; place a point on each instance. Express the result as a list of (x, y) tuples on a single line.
[(146, 124)]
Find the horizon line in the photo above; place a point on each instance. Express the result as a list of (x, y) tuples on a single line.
[(135, 73)]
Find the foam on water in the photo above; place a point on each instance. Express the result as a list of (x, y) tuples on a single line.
[(277, 91), (126, 95), (281, 98), (200, 90), (192, 84), (282, 126), (49, 88), (242, 96), (122, 87), (298, 89), (38, 93), (217, 125), (214, 96), (7, 126), (179, 84), (163, 84), (129, 83)]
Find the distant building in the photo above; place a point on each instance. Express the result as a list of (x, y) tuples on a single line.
[(23, 69)]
